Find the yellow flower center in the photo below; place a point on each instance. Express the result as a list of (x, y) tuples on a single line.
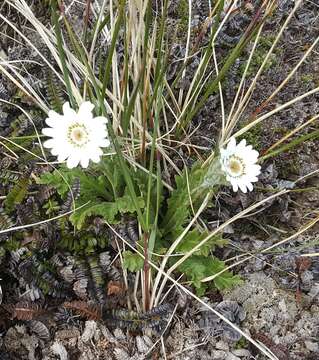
[(236, 166), (78, 135)]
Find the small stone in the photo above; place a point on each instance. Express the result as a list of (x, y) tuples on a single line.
[(59, 350), (121, 354), (230, 356), (312, 346), (142, 344), (282, 305), (73, 332), (119, 335), (242, 353), (89, 331), (218, 355), (314, 291), (222, 345)]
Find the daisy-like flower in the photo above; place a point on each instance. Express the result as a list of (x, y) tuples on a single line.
[(239, 164), (76, 136)]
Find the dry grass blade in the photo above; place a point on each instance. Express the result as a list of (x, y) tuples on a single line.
[(235, 117), (213, 233), (258, 345), (26, 226), (302, 230)]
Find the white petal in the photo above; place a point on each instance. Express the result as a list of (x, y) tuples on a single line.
[(104, 143), (73, 161), (231, 144), (97, 135), (223, 153), (84, 161), (242, 144), (254, 169), (235, 186), (250, 186), (252, 155), (53, 118), (62, 155), (49, 144), (85, 111), (95, 157), (242, 187), (101, 119), (68, 112), (49, 132)]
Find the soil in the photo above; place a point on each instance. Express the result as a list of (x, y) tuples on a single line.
[(278, 302)]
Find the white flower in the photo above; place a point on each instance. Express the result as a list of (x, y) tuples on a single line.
[(239, 164), (76, 137)]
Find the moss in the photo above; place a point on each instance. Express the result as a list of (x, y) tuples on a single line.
[(253, 136), (289, 167), (182, 12), (264, 44), (307, 78), (241, 344)]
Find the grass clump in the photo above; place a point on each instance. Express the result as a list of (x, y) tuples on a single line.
[(149, 120)]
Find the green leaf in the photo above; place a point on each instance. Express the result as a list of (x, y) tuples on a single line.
[(141, 179), (227, 280), (132, 262), (194, 237), (111, 169), (91, 186), (54, 179), (198, 267), (107, 210), (17, 194), (179, 205), (125, 204)]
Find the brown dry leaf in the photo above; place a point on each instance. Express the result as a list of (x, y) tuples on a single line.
[(115, 288), (85, 309), (303, 263)]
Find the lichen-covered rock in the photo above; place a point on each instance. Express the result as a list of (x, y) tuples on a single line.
[(277, 313)]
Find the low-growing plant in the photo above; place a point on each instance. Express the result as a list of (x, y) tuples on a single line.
[(119, 99)]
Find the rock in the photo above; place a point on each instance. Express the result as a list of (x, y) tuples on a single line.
[(312, 346), (89, 331), (218, 355), (59, 349), (73, 332), (314, 291), (222, 345), (121, 354), (87, 355), (242, 353), (119, 335), (143, 344), (282, 305), (231, 356)]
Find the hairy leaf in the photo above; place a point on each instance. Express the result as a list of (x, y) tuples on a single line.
[(107, 210), (197, 267), (194, 237), (187, 193), (132, 262), (17, 194), (91, 186)]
